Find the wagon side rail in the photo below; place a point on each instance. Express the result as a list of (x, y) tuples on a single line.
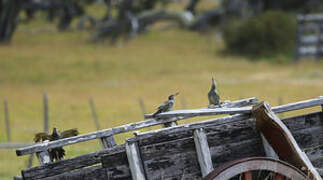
[(106, 136), (162, 118), (200, 139)]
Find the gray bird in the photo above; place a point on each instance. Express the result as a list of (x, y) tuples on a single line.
[(167, 105), (213, 95)]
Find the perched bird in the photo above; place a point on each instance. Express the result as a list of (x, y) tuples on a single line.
[(167, 105), (55, 153), (213, 95)]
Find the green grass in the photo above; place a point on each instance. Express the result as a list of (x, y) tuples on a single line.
[(150, 66)]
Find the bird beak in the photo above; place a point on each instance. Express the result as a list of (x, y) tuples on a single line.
[(176, 94)]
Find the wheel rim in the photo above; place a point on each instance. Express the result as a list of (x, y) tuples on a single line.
[(245, 166)]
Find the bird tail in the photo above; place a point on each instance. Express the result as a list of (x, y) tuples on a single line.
[(159, 111)]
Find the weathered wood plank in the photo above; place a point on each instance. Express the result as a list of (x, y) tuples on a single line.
[(239, 103), (43, 157), (298, 105), (243, 132), (304, 122), (203, 112), (143, 124), (175, 132), (228, 105), (203, 152), (135, 163), (90, 136), (320, 170), (67, 165), (108, 142), (91, 173), (170, 158), (241, 110), (281, 138)]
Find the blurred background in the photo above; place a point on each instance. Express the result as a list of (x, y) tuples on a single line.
[(124, 57)]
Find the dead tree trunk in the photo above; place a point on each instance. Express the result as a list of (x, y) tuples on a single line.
[(9, 11)]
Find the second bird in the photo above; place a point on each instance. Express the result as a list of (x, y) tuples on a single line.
[(167, 105), (213, 95)]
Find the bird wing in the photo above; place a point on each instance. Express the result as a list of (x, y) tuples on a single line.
[(69, 133), (164, 106), (42, 137)]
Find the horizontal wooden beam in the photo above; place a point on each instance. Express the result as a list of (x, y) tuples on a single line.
[(94, 135), (229, 105), (298, 105), (152, 122), (204, 112), (241, 110), (196, 125), (107, 132)]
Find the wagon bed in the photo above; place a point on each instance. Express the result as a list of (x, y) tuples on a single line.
[(188, 151)]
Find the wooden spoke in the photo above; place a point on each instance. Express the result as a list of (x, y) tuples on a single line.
[(278, 177), (247, 176)]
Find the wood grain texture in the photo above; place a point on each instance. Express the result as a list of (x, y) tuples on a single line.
[(281, 139), (108, 142), (67, 165), (203, 152), (43, 157), (152, 122), (135, 162)]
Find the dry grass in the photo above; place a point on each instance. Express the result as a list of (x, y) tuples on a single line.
[(150, 66)]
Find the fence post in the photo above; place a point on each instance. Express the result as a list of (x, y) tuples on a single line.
[(106, 142), (142, 106), (46, 114), (6, 114), (30, 160), (94, 114)]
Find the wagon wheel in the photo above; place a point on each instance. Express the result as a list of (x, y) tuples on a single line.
[(256, 168)]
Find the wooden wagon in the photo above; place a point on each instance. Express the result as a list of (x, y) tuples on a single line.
[(243, 145)]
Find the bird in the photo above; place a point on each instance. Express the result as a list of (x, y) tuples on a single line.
[(55, 153), (213, 95), (167, 105)]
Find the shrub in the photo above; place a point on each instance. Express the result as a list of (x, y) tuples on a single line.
[(268, 34)]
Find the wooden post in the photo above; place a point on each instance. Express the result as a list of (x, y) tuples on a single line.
[(6, 116), (135, 163), (108, 142), (203, 152), (43, 157), (46, 114), (30, 161), (94, 115), (9, 14), (142, 106)]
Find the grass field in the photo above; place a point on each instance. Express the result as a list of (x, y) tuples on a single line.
[(151, 66)]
